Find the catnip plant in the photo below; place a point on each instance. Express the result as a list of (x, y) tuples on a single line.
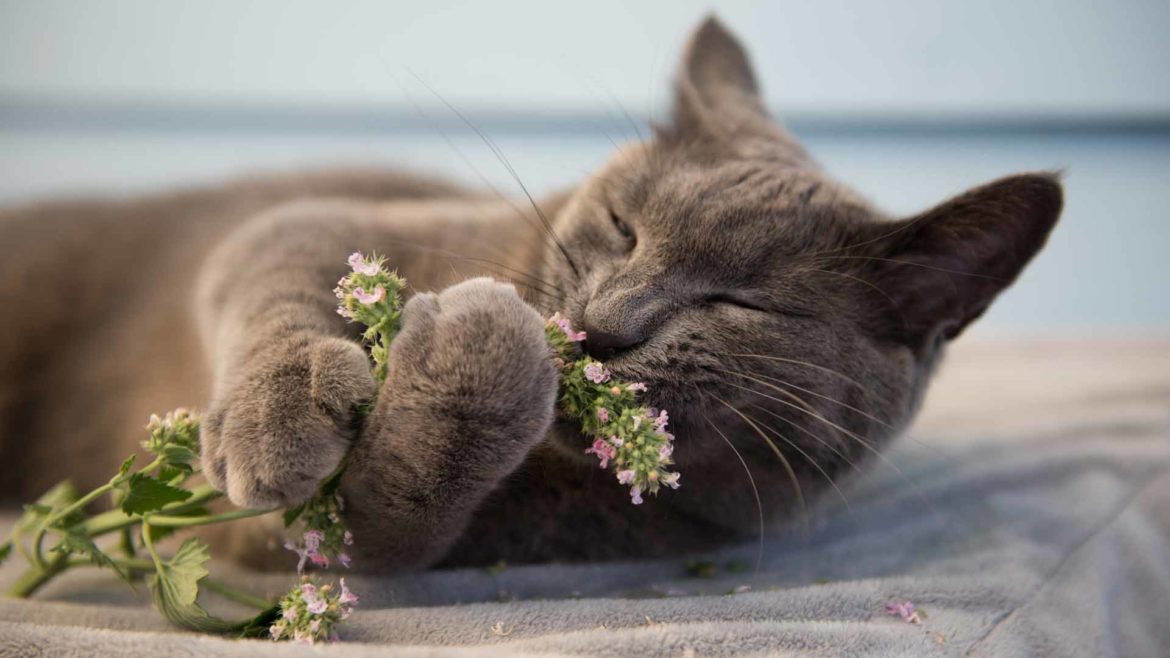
[(150, 503)]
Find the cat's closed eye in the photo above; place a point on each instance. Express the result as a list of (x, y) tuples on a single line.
[(623, 228), (745, 302)]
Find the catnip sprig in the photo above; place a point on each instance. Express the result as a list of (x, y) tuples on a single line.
[(631, 437), (310, 612), (370, 294)]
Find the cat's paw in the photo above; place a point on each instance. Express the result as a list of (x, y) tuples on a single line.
[(286, 420), (476, 349)]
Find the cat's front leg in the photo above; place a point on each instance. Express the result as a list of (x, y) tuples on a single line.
[(471, 391)]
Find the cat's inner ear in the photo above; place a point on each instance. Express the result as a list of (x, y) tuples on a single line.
[(717, 98), (943, 268)]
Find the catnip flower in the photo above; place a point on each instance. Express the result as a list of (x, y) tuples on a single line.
[(369, 298), (905, 610), (596, 373), (626, 435), (562, 323), (310, 613), (369, 295), (325, 536)]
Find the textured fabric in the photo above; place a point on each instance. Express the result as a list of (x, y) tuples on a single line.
[(1028, 513)]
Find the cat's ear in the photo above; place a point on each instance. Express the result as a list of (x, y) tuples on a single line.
[(943, 268), (717, 97)]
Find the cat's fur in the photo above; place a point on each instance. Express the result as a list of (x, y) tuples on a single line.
[(777, 315)]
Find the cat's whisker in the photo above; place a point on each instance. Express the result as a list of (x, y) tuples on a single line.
[(865, 444), (827, 398), (500, 267), (816, 437), (479, 174), (511, 171), (779, 454), (883, 293), (807, 364), (807, 458), (752, 482)]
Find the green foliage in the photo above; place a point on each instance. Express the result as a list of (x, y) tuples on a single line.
[(74, 541), (148, 494), (175, 589)]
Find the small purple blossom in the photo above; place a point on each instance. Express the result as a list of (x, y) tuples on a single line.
[(625, 477), (671, 480), (603, 414), (596, 373), (603, 450), (905, 610), (636, 387), (347, 538), (344, 559), (665, 451), (660, 420), (636, 495), (347, 597), (369, 298), (314, 603), (362, 265), (567, 328)]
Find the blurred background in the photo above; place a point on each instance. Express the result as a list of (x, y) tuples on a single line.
[(908, 100)]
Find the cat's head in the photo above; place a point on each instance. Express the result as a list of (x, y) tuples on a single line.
[(719, 264)]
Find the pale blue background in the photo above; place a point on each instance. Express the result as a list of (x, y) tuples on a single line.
[(909, 100)]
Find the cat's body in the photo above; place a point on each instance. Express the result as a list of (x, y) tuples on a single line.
[(779, 318)]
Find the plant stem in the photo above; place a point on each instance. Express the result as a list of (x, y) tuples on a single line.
[(235, 594), (163, 521), (80, 503), (35, 577)]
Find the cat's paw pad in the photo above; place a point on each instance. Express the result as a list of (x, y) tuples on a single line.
[(286, 421)]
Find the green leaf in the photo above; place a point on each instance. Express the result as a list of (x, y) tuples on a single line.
[(125, 467), (178, 454), (5, 551), (174, 473), (175, 589), (292, 514), (148, 494), (76, 542)]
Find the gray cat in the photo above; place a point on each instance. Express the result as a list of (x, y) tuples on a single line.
[(789, 327)]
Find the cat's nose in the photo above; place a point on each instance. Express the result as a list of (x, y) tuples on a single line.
[(604, 345)]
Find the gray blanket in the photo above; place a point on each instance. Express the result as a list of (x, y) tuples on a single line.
[(1028, 513)]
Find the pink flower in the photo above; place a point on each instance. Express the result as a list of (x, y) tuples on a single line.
[(289, 614), (304, 555), (276, 630), (636, 495), (315, 604), (625, 477), (347, 597), (603, 414), (567, 328), (670, 480), (637, 387), (596, 373), (661, 420), (361, 265), (368, 298), (905, 610), (603, 450), (666, 451), (344, 559), (315, 627), (319, 559)]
